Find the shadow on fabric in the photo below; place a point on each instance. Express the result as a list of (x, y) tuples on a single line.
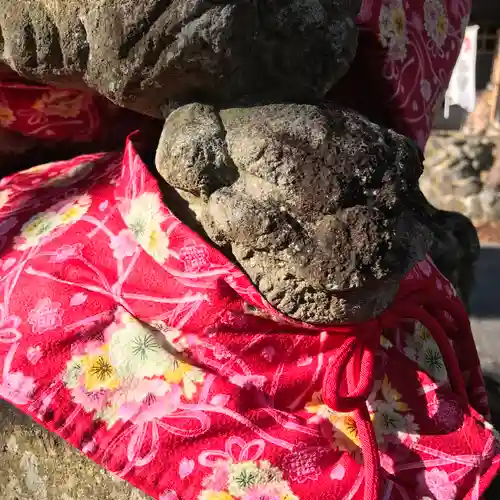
[(485, 300)]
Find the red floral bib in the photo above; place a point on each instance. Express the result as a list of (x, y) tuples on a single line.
[(128, 335)]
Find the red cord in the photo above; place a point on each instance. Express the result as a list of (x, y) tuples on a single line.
[(360, 348)]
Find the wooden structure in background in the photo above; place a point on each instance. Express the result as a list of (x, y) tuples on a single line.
[(493, 179), (485, 118), (495, 83)]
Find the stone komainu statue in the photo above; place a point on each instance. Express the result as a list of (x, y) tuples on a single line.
[(320, 206)]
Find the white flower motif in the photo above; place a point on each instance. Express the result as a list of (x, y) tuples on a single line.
[(47, 315), (136, 351), (436, 21), (409, 433), (248, 381), (431, 360), (490, 428), (144, 218), (255, 472), (422, 348), (42, 224), (72, 373), (36, 228), (387, 421), (140, 389), (393, 29)]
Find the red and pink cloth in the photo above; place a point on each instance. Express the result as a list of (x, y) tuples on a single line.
[(135, 340)]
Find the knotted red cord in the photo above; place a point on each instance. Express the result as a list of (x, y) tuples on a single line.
[(359, 349)]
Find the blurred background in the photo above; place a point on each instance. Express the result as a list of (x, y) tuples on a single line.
[(462, 173)]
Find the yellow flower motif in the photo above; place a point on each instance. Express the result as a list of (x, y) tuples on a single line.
[(392, 28), (6, 116), (436, 21), (442, 25), (385, 342), (189, 375), (177, 374), (38, 226), (39, 169), (157, 244), (392, 396), (318, 407), (99, 373), (215, 495), (72, 213), (4, 197), (422, 332), (63, 103), (344, 430), (43, 223), (389, 413), (144, 218), (398, 21)]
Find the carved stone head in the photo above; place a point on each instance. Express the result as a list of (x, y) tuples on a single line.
[(148, 55), (318, 205)]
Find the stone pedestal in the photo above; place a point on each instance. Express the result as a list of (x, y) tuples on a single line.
[(37, 465)]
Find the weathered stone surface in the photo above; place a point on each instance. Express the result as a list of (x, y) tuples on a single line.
[(37, 465), (474, 207), (148, 55), (491, 202), (319, 206), (455, 249), (493, 177), (457, 175)]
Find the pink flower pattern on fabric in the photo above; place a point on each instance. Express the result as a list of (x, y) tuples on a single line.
[(148, 357), (175, 372)]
